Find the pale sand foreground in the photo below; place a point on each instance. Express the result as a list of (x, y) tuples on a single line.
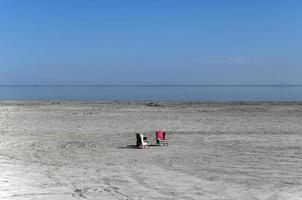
[(74, 150)]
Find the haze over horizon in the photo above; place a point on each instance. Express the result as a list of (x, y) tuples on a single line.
[(150, 42)]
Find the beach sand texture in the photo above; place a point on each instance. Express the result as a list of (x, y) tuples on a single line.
[(84, 150)]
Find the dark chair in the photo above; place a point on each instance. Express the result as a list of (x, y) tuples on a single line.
[(138, 141), (142, 141)]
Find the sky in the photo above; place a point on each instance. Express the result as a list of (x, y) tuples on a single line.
[(150, 42)]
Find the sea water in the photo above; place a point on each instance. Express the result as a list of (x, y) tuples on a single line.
[(152, 93)]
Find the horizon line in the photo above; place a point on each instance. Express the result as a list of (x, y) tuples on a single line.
[(150, 85)]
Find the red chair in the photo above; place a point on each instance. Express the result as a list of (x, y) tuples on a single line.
[(161, 138)]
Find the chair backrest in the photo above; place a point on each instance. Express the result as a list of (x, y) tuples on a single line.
[(138, 138), (160, 135), (143, 139)]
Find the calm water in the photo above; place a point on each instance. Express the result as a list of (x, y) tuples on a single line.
[(153, 93)]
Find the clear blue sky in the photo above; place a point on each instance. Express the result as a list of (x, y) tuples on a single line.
[(150, 41)]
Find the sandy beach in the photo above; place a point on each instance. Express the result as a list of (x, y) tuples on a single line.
[(84, 150)]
